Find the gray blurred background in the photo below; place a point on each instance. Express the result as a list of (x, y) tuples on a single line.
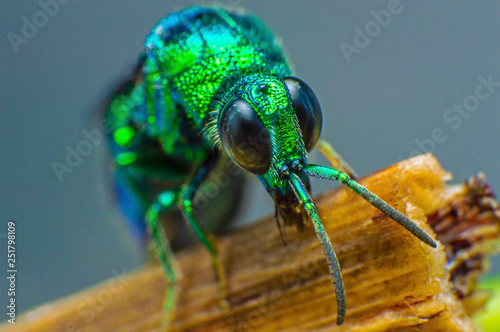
[(379, 101)]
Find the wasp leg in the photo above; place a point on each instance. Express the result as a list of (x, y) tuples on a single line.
[(206, 239), (335, 158), (164, 202)]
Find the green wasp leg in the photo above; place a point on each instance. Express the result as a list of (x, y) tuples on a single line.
[(335, 158), (164, 202), (207, 239)]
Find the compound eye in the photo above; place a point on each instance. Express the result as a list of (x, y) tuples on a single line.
[(244, 137), (306, 107)]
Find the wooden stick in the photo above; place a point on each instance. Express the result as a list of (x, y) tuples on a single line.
[(392, 280)]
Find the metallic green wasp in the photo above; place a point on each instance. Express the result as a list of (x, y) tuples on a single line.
[(213, 89)]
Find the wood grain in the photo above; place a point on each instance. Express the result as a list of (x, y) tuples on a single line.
[(393, 281)]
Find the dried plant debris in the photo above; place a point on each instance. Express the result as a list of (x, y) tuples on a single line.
[(469, 227)]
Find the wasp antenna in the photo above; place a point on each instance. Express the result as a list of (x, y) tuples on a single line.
[(328, 173), (331, 258)]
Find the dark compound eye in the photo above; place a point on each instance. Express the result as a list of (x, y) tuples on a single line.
[(307, 109), (244, 137)]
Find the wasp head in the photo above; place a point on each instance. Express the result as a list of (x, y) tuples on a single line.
[(267, 126)]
